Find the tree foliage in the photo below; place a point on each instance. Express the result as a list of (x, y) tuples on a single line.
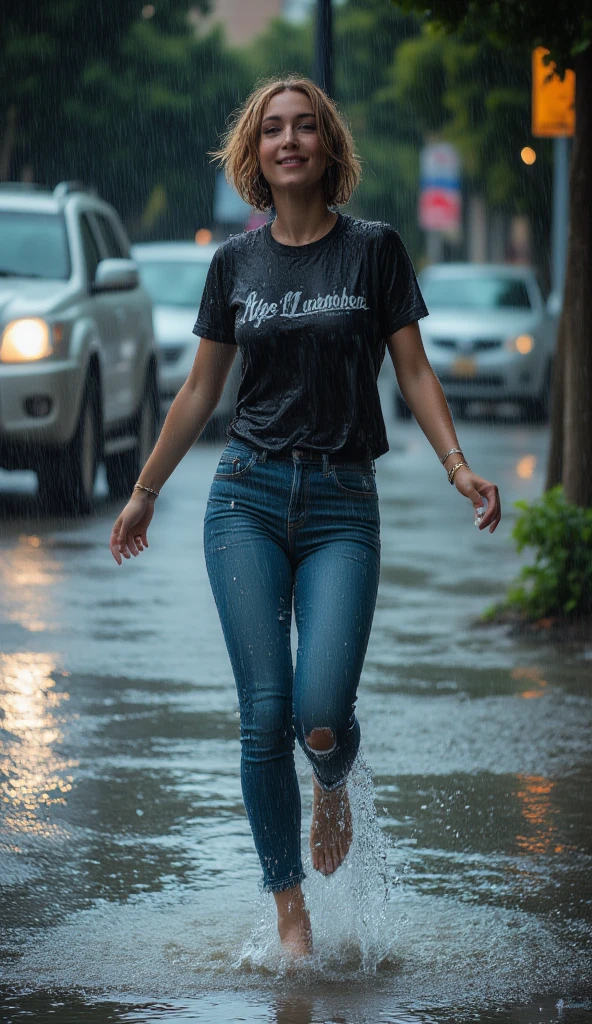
[(131, 105), (477, 97), (565, 29)]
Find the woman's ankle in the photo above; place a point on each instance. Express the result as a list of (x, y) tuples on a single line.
[(293, 921), (290, 902)]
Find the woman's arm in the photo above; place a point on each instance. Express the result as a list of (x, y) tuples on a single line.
[(185, 421), (423, 393), (190, 411)]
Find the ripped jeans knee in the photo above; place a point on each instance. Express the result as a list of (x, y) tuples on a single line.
[(322, 741), (331, 752)]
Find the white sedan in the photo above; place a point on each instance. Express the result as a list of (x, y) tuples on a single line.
[(174, 274), (489, 337)]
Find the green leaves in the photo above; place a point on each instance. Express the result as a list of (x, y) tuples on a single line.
[(478, 97), (560, 581), (564, 28), (134, 104)]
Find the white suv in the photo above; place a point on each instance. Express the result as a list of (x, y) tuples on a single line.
[(78, 360)]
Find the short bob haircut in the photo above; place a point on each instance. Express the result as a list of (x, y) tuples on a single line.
[(239, 153)]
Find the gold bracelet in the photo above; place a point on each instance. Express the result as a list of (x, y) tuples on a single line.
[(454, 469), (459, 451), (149, 489)]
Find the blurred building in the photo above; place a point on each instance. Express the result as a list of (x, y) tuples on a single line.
[(243, 20)]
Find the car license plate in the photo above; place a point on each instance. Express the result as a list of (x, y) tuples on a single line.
[(464, 367)]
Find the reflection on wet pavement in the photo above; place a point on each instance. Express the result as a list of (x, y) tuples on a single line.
[(128, 879)]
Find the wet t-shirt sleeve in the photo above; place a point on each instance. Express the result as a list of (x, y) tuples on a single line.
[(215, 319), (401, 300)]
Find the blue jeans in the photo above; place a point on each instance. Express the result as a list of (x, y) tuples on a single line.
[(278, 531)]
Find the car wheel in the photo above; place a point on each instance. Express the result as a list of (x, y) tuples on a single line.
[(67, 478), (402, 410), (123, 468)]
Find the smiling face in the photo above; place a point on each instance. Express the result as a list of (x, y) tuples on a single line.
[(290, 152)]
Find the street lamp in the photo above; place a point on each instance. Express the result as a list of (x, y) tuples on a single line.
[(323, 63)]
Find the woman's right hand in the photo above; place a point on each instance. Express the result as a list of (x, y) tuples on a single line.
[(129, 533)]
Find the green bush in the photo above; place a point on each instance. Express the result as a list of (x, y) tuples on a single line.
[(560, 581)]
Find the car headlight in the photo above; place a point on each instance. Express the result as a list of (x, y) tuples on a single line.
[(523, 343), (25, 340)]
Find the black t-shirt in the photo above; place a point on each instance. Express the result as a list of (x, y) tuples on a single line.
[(311, 323)]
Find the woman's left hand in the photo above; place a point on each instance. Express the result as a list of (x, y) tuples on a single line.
[(475, 488)]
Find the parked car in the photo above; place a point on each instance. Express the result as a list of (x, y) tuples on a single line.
[(78, 361), (488, 336), (174, 274)]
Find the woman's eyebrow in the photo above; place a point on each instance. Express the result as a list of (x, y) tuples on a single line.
[(276, 117)]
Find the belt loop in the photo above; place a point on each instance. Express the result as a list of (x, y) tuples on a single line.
[(326, 466)]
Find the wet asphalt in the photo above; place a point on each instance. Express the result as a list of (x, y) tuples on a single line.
[(128, 879)]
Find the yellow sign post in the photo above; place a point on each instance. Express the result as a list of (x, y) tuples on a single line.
[(553, 100)]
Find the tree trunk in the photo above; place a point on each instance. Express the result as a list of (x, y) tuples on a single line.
[(577, 307), (555, 461)]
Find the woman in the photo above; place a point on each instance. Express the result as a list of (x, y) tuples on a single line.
[(312, 300)]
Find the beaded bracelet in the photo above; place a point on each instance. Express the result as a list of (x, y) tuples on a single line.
[(149, 489)]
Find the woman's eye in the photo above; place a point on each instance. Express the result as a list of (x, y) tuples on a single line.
[(274, 129)]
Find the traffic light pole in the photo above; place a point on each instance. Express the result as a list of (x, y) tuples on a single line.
[(323, 62)]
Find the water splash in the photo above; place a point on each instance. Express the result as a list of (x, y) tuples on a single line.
[(348, 910)]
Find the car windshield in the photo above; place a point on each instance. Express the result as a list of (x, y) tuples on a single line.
[(482, 293), (33, 245), (173, 282)]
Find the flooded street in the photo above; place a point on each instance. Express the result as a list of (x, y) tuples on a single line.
[(128, 876)]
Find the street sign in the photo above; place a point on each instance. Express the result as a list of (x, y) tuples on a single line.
[(439, 209), (440, 196), (553, 100)]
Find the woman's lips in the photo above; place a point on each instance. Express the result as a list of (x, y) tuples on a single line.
[(292, 161)]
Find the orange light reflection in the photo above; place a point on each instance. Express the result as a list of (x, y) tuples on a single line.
[(538, 810), (34, 774), (532, 674), (29, 573)]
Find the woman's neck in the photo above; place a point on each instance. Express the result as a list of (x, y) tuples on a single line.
[(301, 219)]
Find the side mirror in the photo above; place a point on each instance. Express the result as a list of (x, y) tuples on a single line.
[(116, 275)]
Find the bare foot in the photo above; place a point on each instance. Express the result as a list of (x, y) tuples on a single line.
[(331, 828), (293, 922)]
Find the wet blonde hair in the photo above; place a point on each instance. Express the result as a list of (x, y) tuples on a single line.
[(239, 153)]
